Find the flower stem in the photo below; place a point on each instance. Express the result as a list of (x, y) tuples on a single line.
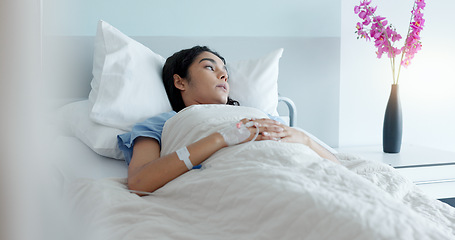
[(392, 65), (405, 42)]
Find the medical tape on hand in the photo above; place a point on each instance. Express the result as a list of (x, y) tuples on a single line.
[(238, 132), (184, 156)]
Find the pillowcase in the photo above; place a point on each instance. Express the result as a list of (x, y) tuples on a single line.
[(100, 138), (126, 85), (254, 83)]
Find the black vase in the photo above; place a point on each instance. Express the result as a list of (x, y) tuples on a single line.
[(393, 123)]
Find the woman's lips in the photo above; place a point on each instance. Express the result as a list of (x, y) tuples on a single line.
[(223, 86)]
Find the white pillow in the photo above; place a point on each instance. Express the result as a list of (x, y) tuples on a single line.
[(101, 139), (254, 83), (126, 85)]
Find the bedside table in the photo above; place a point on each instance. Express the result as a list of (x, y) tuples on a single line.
[(432, 170)]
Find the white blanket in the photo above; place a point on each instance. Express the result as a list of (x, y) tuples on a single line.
[(261, 190)]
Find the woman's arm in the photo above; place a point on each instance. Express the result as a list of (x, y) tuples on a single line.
[(148, 171), (299, 136)]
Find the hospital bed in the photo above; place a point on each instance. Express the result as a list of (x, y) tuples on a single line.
[(262, 190)]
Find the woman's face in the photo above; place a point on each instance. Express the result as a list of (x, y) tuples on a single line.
[(206, 82)]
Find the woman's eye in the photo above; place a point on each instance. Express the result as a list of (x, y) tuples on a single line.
[(210, 67)]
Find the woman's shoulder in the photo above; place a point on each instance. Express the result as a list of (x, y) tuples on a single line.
[(159, 119), (162, 116)]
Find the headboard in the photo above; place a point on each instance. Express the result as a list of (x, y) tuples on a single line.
[(309, 70)]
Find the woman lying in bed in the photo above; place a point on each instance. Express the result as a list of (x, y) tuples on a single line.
[(191, 77)]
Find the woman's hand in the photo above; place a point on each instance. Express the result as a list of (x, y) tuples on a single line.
[(272, 130)]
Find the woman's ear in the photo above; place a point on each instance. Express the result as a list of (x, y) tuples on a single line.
[(179, 82)]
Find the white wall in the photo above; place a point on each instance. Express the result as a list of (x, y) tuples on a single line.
[(427, 87), (195, 18)]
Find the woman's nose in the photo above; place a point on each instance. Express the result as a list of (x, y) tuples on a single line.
[(223, 76)]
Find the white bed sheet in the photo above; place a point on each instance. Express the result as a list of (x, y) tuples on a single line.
[(74, 160), (264, 190)]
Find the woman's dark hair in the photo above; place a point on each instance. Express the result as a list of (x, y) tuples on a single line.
[(179, 63)]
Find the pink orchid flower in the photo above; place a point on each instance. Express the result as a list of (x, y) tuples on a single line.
[(385, 36)]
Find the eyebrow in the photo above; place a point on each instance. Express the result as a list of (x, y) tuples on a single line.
[(208, 59), (212, 61)]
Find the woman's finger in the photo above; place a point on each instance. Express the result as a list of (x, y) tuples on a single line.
[(272, 129), (268, 129), (262, 121), (267, 121), (245, 120), (275, 135)]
